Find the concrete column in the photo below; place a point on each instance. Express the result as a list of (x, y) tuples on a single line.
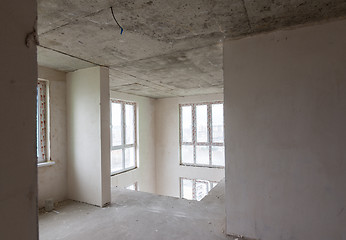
[(18, 169), (88, 135)]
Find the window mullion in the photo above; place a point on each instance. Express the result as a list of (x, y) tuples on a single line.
[(135, 132), (209, 144), (123, 120), (128, 145), (209, 132), (180, 135), (123, 146), (194, 132), (38, 125)]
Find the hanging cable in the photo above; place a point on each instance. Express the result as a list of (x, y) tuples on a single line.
[(121, 28)]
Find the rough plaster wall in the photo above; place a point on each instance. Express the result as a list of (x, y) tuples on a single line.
[(88, 143), (144, 175), (285, 114), (168, 169), (52, 180), (18, 170)]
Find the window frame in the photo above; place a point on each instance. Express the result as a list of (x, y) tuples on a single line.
[(194, 142), (47, 159), (194, 188), (123, 145)]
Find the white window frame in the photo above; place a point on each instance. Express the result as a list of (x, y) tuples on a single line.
[(194, 142), (47, 161), (123, 145), (194, 183)]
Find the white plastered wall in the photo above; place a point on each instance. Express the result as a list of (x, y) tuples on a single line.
[(168, 168), (285, 115), (88, 136), (52, 180), (144, 175)]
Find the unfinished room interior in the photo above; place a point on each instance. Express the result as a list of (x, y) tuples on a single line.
[(158, 119)]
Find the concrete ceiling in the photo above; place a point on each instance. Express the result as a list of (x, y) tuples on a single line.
[(168, 48)]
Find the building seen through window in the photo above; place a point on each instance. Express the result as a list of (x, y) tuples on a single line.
[(195, 189), (201, 134)]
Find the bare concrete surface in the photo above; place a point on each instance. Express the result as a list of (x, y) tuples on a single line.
[(138, 215), (168, 48)]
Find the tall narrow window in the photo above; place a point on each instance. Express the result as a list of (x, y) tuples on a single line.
[(195, 189), (42, 121), (201, 135), (123, 132)]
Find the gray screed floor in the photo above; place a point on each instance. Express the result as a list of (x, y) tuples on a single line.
[(138, 215)]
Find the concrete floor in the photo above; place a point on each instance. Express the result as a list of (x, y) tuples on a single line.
[(137, 215)]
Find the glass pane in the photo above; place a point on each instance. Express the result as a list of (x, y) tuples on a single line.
[(41, 121), (201, 189), (187, 189), (202, 123), (130, 157), (202, 155), (130, 123), (218, 156), (38, 145), (187, 123), (217, 122), (116, 160), (213, 184), (186, 154), (131, 187), (116, 124)]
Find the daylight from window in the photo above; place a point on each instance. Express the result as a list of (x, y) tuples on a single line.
[(41, 121), (133, 187), (201, 134), (195, 189), (123, 131)]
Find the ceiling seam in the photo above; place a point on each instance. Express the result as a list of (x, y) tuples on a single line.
[(145, 80), (54, 50), (72, 20), (126, 91), (56, 28), (151, 87), (136, 94)]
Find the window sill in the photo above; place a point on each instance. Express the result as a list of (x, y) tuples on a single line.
[(45, 164)]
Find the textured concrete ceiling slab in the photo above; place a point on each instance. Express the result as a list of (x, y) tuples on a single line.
[(59, 61), (151, 29), (178, 73), (266, 15), (143, 90), (168, 48)]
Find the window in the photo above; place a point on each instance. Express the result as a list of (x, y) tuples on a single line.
[(123, 132), (42, 122), (201, 135), (133, 187), (195, 189)]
